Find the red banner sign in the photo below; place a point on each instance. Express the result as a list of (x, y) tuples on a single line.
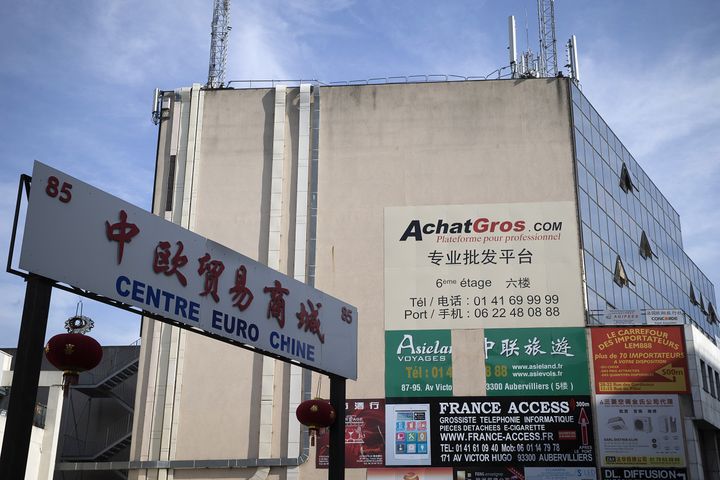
[(639, 359), (364, 435)]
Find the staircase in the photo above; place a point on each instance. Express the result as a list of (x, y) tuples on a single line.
[(111, 380), (107, 387)]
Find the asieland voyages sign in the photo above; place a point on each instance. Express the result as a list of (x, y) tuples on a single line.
[(418, 363), (536, 361), (80, 235)]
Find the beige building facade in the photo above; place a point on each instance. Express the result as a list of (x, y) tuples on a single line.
[(311, 180)]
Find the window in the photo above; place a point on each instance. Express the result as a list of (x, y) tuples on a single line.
[(703, 371), (712, 316), (693, 299), (626, 182), (646, 250), (717, 383), (712, 381), (620, 276), (170, 184)]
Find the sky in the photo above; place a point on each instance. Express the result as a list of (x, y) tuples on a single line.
[(79, 76)]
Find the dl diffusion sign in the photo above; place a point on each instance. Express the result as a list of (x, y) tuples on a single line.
[(77, 234)]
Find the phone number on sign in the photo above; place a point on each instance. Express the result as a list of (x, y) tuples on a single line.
[(516, 312), (516, 300)]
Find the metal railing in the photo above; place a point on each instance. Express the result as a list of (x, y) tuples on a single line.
[(78, 448), (500, 73), (109, 365)]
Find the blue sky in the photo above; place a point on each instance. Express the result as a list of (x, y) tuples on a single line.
[(78, 79)]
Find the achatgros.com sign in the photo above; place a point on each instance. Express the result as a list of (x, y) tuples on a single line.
[(482, 266)]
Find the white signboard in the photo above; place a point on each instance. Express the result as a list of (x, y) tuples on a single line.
[(640, 430), (77, 234), (476, 266), (664, 317), (622, 317), (560, 473)]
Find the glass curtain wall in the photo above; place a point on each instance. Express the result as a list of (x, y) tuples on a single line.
[(632, 241)]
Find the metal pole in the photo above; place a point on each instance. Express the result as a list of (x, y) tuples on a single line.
[(336, 463), (23, 392)]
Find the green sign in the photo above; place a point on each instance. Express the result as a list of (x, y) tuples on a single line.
[(536, 361), (418, 363)]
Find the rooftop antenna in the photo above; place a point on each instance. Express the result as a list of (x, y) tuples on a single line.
[(513, 46), (156, 106), (572, 56), (218, 43), (528, 62), (548, 45)]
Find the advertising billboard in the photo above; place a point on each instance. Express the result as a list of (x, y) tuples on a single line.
[(414, 473), (622, 317), (418, 363), (499, 431), (536, 361), (364, 435), (643, 473), (639, 359), (482, 266), (640, 430), (80, 235), (664, 317), (518, 472)]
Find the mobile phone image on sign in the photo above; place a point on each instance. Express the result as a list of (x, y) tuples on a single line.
[(408, 434)]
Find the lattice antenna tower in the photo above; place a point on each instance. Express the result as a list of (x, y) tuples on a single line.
[(548, 43), (219, 43)]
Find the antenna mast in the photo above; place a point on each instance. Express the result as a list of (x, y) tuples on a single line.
[(218, 43), (548, 45)]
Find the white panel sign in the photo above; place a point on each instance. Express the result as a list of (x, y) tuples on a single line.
[(640, 430), (664, 317), (622, 317), (82, 236), (560, 473), (477, 266)]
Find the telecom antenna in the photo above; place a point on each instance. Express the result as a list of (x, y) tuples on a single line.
[(548, 44), (513, 46), (573, 63), (218, 43)]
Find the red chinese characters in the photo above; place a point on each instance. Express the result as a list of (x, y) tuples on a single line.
[(241, 295), (310, 320), (121, 232), (212, 269), (162, 263), (276, 305)]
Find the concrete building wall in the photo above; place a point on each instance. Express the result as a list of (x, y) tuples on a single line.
[(426, 144), (43, 446), (32, 470), (235, 155), (701, 430)]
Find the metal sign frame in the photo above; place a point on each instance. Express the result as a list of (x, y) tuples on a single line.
[(24, 185), (18, 428)]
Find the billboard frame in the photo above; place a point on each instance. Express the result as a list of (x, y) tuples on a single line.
[(33, 326)]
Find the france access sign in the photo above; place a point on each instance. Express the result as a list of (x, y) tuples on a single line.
[(82, 236)]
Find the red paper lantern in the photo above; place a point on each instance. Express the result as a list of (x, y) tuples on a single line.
[(73, 353), (315, 414)]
